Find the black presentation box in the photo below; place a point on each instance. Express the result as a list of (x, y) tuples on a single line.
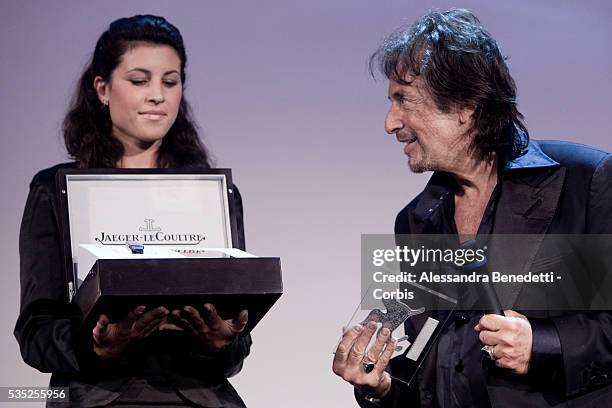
[(186, 222)]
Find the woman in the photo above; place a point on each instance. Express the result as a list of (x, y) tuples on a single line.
[(128, 112)]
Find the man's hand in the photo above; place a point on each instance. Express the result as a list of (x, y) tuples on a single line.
[(511, 338), (112, 339), (214, 332), (350, 357)]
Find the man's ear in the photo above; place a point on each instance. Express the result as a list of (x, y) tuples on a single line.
[(101, 88), (466, 116)]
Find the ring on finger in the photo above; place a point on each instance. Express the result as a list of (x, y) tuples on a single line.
[(368, 365), (487, 350)]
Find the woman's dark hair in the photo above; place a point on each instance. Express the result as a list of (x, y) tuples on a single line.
[(460, 66), (87, 125)]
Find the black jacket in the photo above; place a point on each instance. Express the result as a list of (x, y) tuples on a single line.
[(50, 340), (556, 188)]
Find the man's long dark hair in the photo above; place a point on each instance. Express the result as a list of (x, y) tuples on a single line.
[(460, 66), (87, 125)]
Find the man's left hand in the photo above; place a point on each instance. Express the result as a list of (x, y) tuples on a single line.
[(511, 339)]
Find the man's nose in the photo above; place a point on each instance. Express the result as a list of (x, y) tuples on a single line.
[(392, 122)]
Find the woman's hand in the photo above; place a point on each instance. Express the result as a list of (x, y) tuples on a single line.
[(112, 339), (214, 332)]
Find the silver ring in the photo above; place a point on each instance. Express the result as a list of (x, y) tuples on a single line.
[(487, 350)]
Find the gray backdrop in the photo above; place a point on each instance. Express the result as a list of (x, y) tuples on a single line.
[(283, 96)]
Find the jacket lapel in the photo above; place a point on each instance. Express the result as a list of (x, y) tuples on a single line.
[(527, 206)]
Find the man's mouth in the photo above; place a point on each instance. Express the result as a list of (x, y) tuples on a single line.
[(406, 138)]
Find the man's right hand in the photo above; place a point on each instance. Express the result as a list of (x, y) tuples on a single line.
[(112, 339), (350, 358)]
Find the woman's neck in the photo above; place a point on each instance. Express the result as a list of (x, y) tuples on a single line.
[(139, 156)]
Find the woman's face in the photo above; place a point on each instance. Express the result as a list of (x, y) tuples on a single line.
[(143, 94)]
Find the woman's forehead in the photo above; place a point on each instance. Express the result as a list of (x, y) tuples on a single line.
[(150, 57)]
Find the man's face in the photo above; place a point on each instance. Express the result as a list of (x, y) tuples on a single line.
[(434, 140)]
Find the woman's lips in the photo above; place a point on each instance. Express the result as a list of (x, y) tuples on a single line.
[(153, 115)]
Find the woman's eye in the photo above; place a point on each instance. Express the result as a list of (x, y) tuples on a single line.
[(138, 81), (170, 83)]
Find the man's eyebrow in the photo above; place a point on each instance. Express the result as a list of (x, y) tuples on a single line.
[(397, 95)]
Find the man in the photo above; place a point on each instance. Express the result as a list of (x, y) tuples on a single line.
[(453, 106)]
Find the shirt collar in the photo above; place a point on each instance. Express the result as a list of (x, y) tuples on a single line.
[(533, 158)]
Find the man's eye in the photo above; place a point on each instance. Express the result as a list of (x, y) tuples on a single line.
[(407, 102)]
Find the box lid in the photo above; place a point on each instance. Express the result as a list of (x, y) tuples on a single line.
[(191, 208)]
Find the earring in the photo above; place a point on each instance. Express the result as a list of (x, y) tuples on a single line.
[(105, 102)]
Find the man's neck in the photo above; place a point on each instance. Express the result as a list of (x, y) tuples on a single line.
[(476, 179)]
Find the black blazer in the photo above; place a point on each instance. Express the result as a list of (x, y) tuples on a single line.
[(556, 188), (50, 341)]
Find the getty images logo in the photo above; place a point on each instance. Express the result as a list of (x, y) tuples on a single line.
[(148, 232)]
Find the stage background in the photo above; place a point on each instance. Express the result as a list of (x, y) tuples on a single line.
[(283, 96)]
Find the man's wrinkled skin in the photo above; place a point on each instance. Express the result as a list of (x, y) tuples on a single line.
[(351, 352)]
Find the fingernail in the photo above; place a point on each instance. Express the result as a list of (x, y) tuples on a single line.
[(385, 331), (140, 310), (358, 328), (371, 325)]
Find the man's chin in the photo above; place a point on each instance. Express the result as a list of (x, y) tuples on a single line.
[(418, 166)]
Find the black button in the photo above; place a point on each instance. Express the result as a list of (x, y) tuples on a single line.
[(462, 318), (599, 379), (459, 366), (426, 394)]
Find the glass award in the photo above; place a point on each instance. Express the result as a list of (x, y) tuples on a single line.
[(396, 295), (415, 323)]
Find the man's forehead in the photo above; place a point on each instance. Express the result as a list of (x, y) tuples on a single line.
[(410, 82)]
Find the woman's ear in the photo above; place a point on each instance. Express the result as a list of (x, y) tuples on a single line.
[(101, 88)]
